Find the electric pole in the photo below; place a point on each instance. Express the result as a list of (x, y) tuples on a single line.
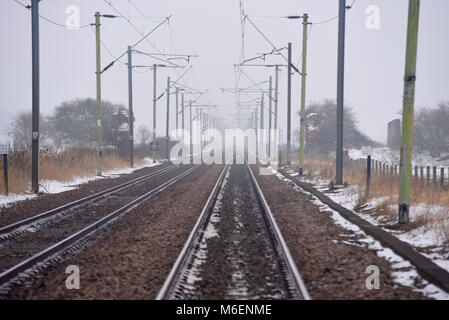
[(303, 94), (276, 96), (130, 108), (182, 122), (198, 129), (405, 166), (154, 112), (191, 134), (255, 129), (98, 74), (270, 89), (167, 133), (340, 90), (201, 134), (289, 100), (35, 95), (262, 145), (177, 107)]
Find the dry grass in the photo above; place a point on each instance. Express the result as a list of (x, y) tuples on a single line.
[(64, 167), (432, 199)]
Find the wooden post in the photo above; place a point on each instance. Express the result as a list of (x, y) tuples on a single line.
[(5, 172), (416, 172), (442, 177), (434, 174), (368, 174), (428, 174), (421, 173)]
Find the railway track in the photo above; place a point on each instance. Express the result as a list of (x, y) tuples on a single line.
[(235, 250), (31, 223), (29, 242)]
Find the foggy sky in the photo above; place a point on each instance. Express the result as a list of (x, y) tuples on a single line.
[(211, 28)]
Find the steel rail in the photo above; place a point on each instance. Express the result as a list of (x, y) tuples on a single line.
[(278, 239), (45, 215), (74, 238), (293, 278), (202, 220)]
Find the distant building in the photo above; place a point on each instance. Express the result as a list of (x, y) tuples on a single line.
[(394, 134)]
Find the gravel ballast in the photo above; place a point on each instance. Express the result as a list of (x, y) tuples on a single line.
[(27, 208), (236, 257), (134, 255), (330, 266)]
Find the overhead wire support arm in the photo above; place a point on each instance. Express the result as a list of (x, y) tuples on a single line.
[(271, 43), (136, 44), (153, 57), (182, 75)]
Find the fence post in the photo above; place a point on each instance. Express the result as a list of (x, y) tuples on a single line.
[(434, 174), (416, 172), (428, 174), (442, 177), (5, 172), (368, 174), (421, 173)]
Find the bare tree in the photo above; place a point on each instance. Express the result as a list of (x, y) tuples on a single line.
[(74, 123), (431, 130), (143, 135), (21, 128), (321, 128)]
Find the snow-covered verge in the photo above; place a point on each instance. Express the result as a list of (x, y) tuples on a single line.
[(54, 186), (403, 272), (390, 156)]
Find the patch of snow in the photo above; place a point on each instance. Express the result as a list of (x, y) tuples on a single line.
[(391, 156), (54, 186), (7, 200), (403, 272)]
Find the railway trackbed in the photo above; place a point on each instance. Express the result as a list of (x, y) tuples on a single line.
[(235, 250), (29, 242)]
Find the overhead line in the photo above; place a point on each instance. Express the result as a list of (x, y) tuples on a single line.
[(271, 43), (141, 12), (130, 23), (134, 45), (51, 21)]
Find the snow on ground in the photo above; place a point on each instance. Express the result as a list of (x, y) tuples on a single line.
[(429, 237), (390, 156), (403, 272), (54, 186)]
